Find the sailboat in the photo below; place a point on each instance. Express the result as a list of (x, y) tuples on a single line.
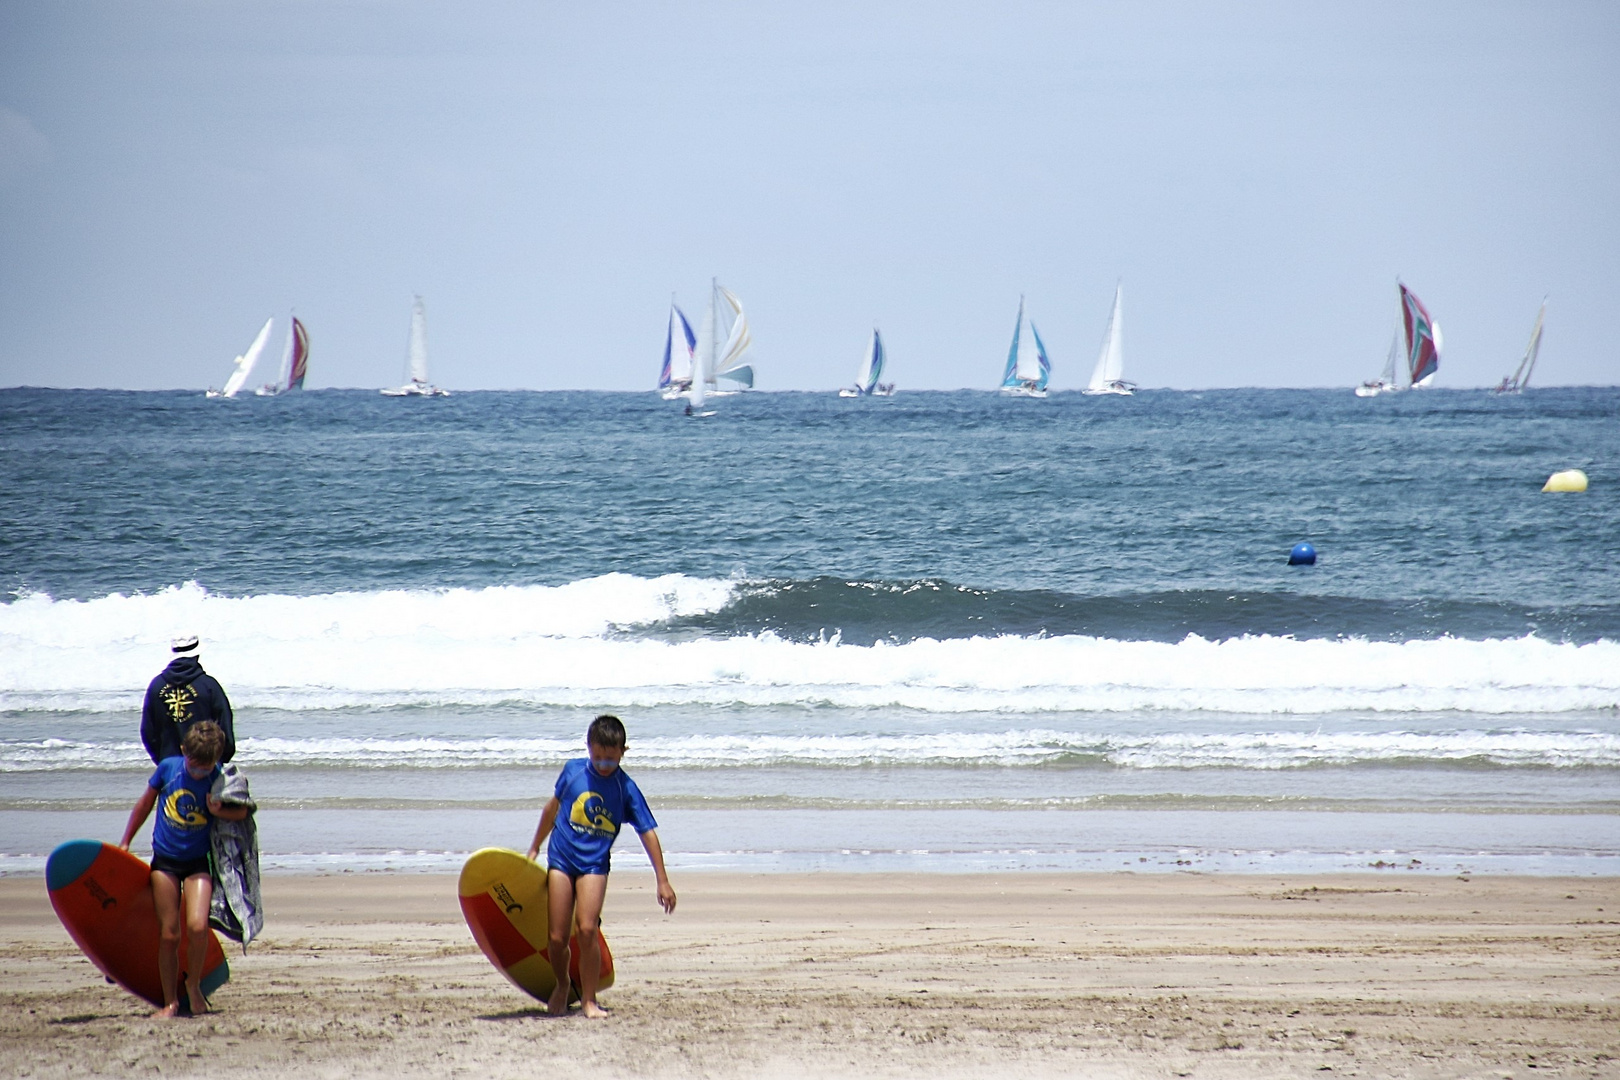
[(697, 387), (1385, 383), (1108, 376), (294, 362), (1423, 340), (416, 373), (1520, 378), (870, 371), (723, 343), (1423, 344), (244, 364), (1026, 374), (679, 345)]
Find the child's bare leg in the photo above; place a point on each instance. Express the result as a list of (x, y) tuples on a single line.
[(199, 892), (166, 899), (560, 909), (589, 892)]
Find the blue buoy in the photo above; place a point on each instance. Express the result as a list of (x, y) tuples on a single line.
[(1302, 555)]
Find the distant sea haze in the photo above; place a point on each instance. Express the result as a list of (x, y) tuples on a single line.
[(945, 630)]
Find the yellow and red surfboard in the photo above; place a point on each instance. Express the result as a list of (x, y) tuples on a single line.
[(103, 895), (503, 896)]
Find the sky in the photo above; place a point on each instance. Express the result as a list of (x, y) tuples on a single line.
[(1255, 175)]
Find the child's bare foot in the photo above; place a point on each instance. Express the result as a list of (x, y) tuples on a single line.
[(168, 1012), (199, 1004), (558, 1004), (590, 1010)]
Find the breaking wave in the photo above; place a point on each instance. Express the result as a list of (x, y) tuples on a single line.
[(632, 642)]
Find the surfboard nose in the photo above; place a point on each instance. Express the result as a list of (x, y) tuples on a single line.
[(68, 862)]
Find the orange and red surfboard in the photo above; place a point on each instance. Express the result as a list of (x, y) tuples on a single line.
[(103, 895), (503, 896)]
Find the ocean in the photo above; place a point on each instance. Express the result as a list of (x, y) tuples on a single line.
[(940, 631)]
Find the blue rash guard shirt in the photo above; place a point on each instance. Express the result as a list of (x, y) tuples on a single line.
[(181, 829), (593, 808)]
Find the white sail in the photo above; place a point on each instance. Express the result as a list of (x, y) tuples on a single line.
[(1388, 381), (729, 353), (1520, 378), (1111, 360), (416, 367), (1528, 364), (680, 357), (416, 351), (1028, 368), (245, 362), (702, 358)]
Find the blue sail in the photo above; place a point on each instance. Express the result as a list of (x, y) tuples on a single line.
[(665, 377), (1010, 376), (1040, 355), (873, 376)]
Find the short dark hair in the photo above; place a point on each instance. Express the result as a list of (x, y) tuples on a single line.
[(203, 741), (607, 731)]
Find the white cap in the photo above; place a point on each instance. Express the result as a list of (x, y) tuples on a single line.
[(184, 645)]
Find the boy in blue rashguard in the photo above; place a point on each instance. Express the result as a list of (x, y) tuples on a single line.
[(180, 790), (592, 800)]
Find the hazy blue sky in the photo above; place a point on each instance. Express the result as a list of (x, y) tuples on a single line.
[(173, 173)]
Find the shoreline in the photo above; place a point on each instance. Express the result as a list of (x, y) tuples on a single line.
[(923, 974)]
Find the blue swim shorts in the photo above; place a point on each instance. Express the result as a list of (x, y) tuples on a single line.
[(557, 860)]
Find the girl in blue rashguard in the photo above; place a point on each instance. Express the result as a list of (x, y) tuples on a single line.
[(592, 800)]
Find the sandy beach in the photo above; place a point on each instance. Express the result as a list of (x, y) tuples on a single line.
[(1036, 975)]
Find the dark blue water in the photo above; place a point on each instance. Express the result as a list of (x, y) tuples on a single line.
[(929, 514)]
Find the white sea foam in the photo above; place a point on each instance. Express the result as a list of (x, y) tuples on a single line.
[(1242, 750), (561, 647)]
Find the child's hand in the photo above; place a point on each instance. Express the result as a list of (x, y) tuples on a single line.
[(666, 896), (214, 805)]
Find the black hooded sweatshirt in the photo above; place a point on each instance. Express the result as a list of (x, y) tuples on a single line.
[(182, 695)]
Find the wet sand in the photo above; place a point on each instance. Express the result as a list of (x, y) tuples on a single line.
[(1035, 975)]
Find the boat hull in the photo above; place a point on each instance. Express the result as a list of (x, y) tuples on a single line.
[(1022, 391)]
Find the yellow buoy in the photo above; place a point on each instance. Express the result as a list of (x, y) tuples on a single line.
[(1568, 480)]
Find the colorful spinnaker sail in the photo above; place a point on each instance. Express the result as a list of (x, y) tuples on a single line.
[(1423, 339), (297, 362)]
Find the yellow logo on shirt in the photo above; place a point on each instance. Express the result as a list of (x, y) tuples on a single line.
[(590, 814), (179, 699), (181, 810)]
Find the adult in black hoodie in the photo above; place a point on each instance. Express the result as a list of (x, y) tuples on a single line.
[(183, 694)]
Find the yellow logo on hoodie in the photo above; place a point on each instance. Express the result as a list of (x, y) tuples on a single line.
[(179, 699)]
